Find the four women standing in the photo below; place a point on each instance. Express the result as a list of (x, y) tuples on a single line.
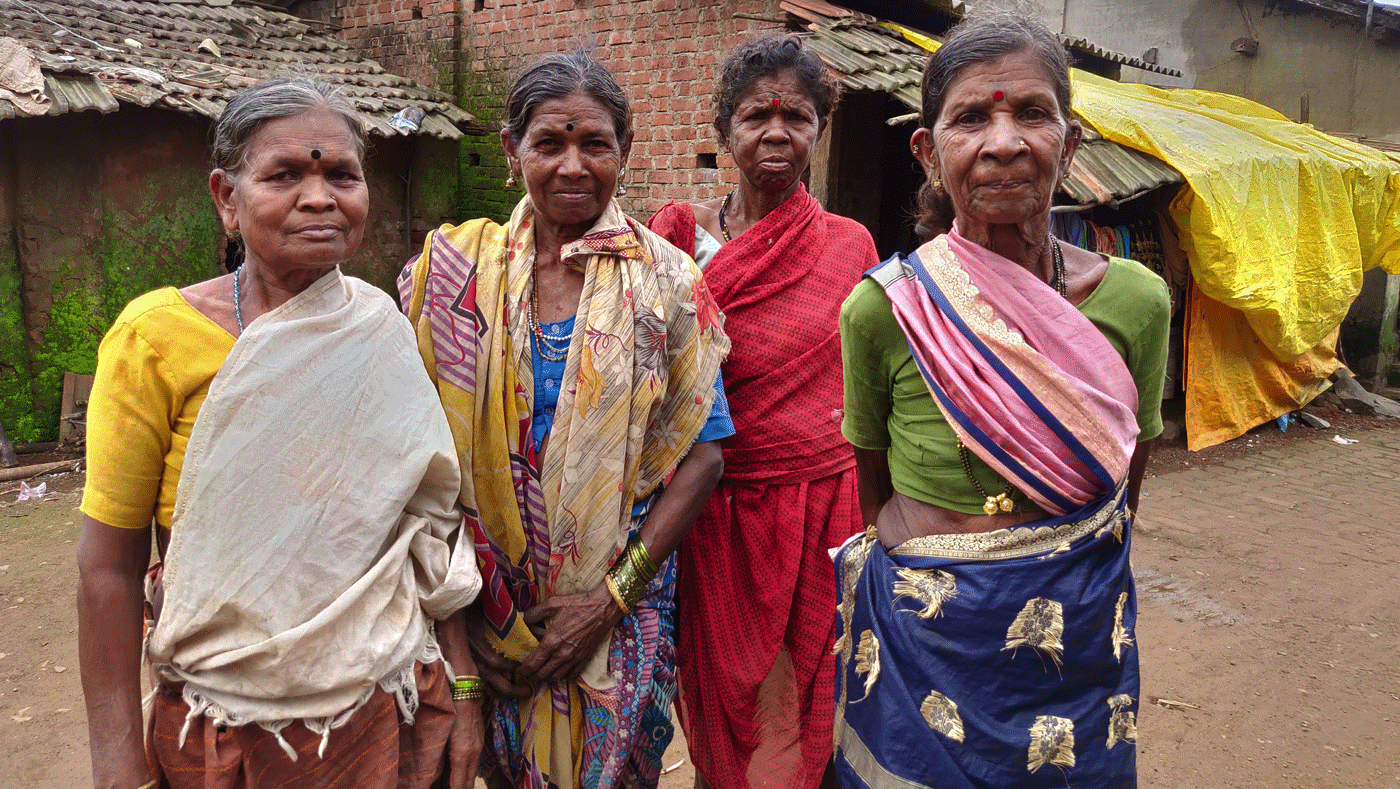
[(577, 357)]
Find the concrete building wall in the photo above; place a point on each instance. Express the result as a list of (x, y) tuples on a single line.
[(1350, 82), (663, 52)]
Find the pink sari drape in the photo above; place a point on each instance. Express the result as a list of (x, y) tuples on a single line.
[(1026, 381)]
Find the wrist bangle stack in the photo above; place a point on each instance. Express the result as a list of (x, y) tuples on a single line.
[(468, 687), (627, 580)]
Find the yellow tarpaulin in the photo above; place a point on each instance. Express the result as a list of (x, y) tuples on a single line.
[(1278, 220)]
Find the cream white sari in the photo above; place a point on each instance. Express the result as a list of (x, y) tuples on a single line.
[(315, 533)]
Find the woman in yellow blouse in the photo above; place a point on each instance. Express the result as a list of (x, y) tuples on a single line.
[(306, 548)]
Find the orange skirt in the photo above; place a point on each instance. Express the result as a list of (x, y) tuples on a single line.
[(374, 750)]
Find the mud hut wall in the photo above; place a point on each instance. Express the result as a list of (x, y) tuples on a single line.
[(412, 188), (664, 53), (98, 209)]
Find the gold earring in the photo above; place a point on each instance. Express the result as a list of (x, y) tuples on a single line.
[(938, 185)]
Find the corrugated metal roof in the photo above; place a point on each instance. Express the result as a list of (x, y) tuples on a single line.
[(868, 57), (192, 57), (1090, 48)]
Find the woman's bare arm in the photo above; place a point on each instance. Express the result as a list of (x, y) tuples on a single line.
[(1137, 469), (111, 566), (873, 482), (468, 729)]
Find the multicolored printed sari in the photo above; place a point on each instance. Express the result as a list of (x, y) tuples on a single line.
[(1004, 658), (640, 382)]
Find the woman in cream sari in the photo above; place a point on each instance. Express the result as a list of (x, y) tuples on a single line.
[(277, 426), (577, 355), (999, 391)]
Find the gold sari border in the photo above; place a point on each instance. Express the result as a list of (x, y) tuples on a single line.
[(860, 759), (1019, 541)]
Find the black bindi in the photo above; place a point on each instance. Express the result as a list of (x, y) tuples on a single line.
[(315, 153), (568, 127)]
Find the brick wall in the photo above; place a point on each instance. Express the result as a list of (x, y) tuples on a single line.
[(663, 52)]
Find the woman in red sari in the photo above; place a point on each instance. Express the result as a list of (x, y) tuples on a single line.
[(756, 593)]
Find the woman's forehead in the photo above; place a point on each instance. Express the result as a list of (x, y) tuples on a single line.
[(577, 109), (315, 129), (785, 83), (1021, 71)]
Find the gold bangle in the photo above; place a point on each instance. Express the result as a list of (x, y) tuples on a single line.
[(616, 595), (641, 559), (629, 587), (151, 784)]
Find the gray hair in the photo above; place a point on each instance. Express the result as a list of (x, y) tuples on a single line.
[(987, 37), (560, 75), (277, 97)]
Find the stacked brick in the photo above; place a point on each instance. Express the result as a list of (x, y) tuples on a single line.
[(665, 53)]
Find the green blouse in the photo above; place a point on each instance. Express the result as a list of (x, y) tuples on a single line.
[(888, 404)]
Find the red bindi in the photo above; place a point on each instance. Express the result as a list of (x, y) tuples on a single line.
[(998, 96), (775, 101)]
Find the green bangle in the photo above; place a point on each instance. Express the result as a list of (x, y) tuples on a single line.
[(468, 688)]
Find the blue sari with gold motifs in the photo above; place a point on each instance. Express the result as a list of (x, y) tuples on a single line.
[(999, 659), (988, 661)]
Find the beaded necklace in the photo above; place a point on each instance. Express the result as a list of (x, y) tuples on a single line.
[(238, 299), (546, 344), (724, 209)]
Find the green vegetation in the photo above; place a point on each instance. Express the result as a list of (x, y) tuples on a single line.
[(16, 399), (166, 242), (481, 164)]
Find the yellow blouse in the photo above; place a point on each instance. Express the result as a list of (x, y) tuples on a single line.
[(153, 372)]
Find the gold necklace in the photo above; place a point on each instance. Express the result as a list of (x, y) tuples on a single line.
[(724, 226), (1001, 502)]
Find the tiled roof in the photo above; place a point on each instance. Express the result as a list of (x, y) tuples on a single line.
[(194, 55), (870, 57)]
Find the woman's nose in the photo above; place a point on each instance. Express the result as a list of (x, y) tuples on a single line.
[(776, 129), (316, 194), (572, 162), (1004, 138)]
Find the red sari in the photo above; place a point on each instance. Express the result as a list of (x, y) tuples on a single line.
[(756, 596)]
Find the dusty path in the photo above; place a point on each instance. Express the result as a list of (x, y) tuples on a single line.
[(1269, 623)]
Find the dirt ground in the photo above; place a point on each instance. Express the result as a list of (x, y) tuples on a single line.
[(1268, 622)]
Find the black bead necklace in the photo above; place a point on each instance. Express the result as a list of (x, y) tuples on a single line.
[(724, 209)]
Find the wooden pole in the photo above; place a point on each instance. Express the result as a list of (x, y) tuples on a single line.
[(1387, 340), (26, 472)]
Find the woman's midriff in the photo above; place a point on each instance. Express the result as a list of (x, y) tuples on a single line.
[(904, 518)]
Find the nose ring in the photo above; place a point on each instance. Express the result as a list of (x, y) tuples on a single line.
[(1022, 143)]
